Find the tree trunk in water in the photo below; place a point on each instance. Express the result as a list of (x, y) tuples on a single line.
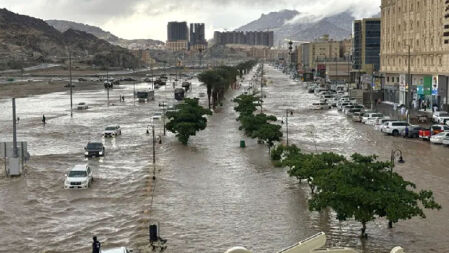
[(364, 235), (209, 93)]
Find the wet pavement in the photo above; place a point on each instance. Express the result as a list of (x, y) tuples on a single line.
[(210, 195)]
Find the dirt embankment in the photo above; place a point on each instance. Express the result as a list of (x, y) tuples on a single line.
[(20, 90)]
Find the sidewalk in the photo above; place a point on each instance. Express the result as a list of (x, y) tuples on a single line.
[(387, 109)]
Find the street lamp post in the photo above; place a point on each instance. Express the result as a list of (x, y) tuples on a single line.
[(163, 105), (290, 48), (70, 84), (394, 154), (286, 122)]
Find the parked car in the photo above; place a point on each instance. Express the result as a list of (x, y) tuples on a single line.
[(437, 116), (371, 117), (413, 132), (446, 141), (116, 250), (82, 106), (380, 123), (321, 106), (439, 138), (94, 149), (443, 120), (112, 131), (394, 127), (79, 177), (347, 108), (427, 133), (351, 112), (326, 98), (342, 105), (357, 117)]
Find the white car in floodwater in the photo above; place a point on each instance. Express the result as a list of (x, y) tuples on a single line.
[(112, 131), (116, 250), (82, 106), (79, 177), (321, 106)]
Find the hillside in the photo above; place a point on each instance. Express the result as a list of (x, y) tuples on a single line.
[(270, 21), (290, 24), (26, 41), (62, 26)]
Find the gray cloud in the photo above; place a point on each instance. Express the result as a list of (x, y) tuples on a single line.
[(127, 18)]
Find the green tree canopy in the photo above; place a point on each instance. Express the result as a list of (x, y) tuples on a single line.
[(187, 120), (361, 188)]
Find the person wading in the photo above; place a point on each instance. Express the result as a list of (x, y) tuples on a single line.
[(96, 245), (43, 119)]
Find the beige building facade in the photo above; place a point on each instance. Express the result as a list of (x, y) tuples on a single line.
[(180, 45), (318, 56), (415, 41)]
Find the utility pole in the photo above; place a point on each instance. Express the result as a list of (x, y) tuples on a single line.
[(163, 105), (286, 123), (261, 89), (409, 89), (14, 130), (107, 81), (71, 86), (154, 146)]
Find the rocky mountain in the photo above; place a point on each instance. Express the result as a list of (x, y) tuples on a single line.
[(291, 24), (272, 20), (26, 41), (62, 26)]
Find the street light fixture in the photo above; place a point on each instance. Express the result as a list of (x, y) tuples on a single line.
[(287, 112), (394, 154), (290, 48)]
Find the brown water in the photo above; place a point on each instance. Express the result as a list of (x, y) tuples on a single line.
[(210, 195)]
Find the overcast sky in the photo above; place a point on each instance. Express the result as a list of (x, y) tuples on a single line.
[(135, 19)]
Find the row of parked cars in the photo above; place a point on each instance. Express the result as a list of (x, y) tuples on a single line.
[(327, 98), (437, 134)]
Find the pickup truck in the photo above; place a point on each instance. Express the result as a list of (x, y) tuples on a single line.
[(425, 134)]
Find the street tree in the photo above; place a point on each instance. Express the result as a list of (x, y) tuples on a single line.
[(364, 188), (269, 133), (187, 120), (211, 79), (246, 104)]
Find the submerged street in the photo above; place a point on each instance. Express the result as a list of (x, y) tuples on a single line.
[(210, 195)]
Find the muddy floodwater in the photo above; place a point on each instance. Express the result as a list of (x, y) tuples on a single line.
[(210, 195)]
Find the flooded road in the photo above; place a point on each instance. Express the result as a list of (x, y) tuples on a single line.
[(210, 195)]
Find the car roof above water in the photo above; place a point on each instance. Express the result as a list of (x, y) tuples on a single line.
[(115, 250), (79, 167)]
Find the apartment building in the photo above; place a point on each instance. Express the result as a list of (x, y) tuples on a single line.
[(415, 51), (321, 55)]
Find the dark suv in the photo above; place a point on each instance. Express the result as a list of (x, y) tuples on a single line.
[(94, 149), (413, 132)]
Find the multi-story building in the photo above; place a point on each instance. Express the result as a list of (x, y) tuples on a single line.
[(177, 36), (415, 51), (245, 38), (366, 46), (323, 53), (197, 37)]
